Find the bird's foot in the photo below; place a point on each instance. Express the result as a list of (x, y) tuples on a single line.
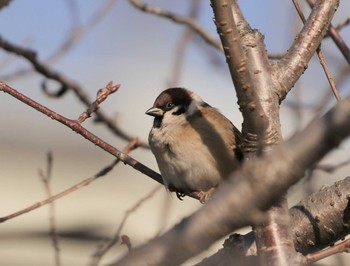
[(204, 196)]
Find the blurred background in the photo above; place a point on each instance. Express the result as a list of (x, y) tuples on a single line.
[(94, 42)]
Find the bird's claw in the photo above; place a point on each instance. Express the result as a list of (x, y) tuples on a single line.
[(204, 196)]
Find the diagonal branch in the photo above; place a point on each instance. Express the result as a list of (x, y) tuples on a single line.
[(317, 221), (78, 128), (296, 60), (192, 24), (336, 37), (280, 169), (321, 56), (132, 145)]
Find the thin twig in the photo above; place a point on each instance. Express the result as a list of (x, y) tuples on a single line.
[(192, 24), (320, 56), (132, 145), (181, 46), (342, 24), (101, 96), (74, 36), (46, 179), (109, 243), (338, 248)]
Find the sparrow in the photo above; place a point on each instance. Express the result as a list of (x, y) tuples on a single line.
[(195, 146)]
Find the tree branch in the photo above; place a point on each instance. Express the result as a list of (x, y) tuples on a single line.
[(295, 61), (66, 84), (310, 232), (78, 128), (339, 248), (336, 37), (280, 168), (192, 24), (321, 56), (132, 145), (253, 76)]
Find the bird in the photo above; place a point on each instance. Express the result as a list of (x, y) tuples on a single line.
[(195, 146)]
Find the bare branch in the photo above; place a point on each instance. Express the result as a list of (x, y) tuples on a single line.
[(336, 37), (75, 125), (282, 167), (101, 96), (342, 24), (320, 56), (295, 61), (338, 248), (46, 179), (329, 168), (181, 46), (132, 145), (74, 35), (78, 128), (316, 222), (253, 75), (66, 84), (193, 25), (115, 239)]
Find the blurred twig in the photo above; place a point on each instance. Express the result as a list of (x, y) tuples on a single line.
[(330, 168), (192, 24), (132, 145), (181, 46), (320, 56), (74, 35), (65, 83), (109, 243), (46, 179), (342, 24), (4, 3)]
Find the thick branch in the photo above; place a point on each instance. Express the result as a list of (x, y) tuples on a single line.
[(336, 37), (252, 73), (316, 222), (280, 168), (231, 41)]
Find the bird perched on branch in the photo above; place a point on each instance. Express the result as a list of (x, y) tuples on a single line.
[(196, 147)]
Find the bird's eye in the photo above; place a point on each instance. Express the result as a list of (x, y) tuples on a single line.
[(169, 105)]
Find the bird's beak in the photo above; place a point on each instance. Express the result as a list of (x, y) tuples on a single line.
[(154, 111)]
